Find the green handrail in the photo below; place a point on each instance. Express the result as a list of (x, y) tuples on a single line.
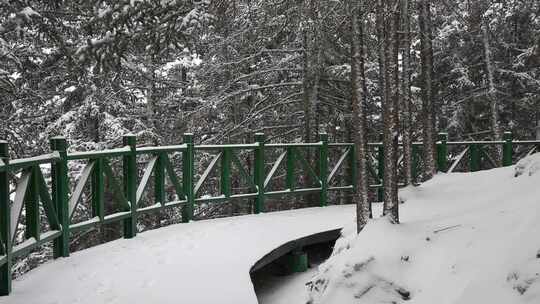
[(59, 202)]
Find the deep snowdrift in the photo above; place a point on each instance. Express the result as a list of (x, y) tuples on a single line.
[(464, 238)]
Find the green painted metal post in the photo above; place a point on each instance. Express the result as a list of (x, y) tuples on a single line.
[(442, 152), (31, 205), (259, 173), (474, 157), (160, 196), (5, 223), (159, 180), (507, 149), (298, 261), (380, 171), (290, 178), (98, 189), (188, 171), (323, 169), (60, 196), (129, 167), (226, 172)]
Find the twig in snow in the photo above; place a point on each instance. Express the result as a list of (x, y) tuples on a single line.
[(446, 228)]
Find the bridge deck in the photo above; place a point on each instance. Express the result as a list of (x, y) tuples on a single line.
[(200, 262)]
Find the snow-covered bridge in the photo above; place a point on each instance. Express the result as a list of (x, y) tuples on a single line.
[(57, 196), (199, 262)]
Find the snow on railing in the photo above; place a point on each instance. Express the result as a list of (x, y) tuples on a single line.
[(243, 171)]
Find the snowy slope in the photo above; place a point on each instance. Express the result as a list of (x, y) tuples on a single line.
[(200, 262), (464, 238)]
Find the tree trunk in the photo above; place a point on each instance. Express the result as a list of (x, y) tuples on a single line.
[(388, 51), (308, 91), (151, 98), (426, 56), (358, 117), (406, 117), (312, 75), (312, 65), (395, 91), (492, 90)]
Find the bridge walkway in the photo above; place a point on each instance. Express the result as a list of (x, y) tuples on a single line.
[(195, 263)]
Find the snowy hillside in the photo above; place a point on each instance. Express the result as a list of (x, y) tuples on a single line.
[(464, 238)]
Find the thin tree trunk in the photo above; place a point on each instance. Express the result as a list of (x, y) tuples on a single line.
[(387, 27), (358, 117), (312, 65), (151, 98), (395, 91), (426, 54), (381, 52), (312, 75), (492, 91), (406, 94), (364, 100), (308, 88)]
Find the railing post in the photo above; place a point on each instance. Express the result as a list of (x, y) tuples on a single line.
[(159, 180), (226, 172), (188, 170), (60, 191), (323, 169), (474, 157), (442, 152), (5, 223), (129, 168), (98, 190), (31, 206), (290, 176), (297, 261), (507, 149), (380, 169), (538, 135), (259, 173)]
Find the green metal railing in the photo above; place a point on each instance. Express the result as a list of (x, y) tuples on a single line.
[(130, 198), (32, 189)]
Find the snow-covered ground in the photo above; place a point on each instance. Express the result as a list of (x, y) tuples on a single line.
[(204, 262), (464, 239), (291, 289)]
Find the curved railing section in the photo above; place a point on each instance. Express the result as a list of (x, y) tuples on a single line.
[(44, 187)]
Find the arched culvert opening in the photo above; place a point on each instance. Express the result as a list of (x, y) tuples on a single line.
[(287, 267)]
